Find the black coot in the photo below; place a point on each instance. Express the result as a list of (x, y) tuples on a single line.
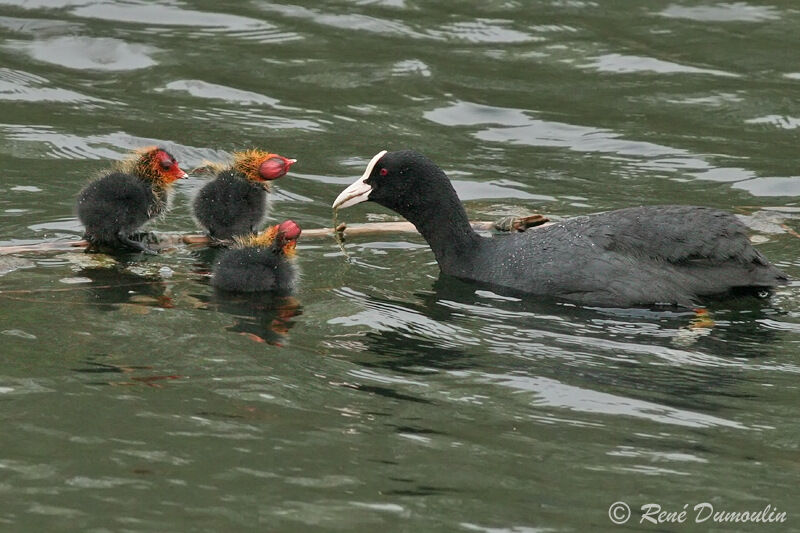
[(235, 203), (114, 207), (260, 263), (671, 255)]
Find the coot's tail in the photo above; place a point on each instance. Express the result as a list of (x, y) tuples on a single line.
[(757, 277)]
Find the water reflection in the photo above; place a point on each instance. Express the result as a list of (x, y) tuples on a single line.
[(202, 89), (625, 64), (21, 86), (670, 366), (112, 287), (203, 22), (89, 53), (517, 127), (261, 317), (54, 143), (414, 355), (722, 12), (121, 374)]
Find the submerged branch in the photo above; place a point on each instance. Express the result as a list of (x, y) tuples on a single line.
[(171, 240)]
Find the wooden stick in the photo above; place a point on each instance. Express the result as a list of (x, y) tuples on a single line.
[(790, 231), (170, 240)]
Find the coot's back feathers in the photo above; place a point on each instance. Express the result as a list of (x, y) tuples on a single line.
[(675, 233), (636, 256), (605, 259)]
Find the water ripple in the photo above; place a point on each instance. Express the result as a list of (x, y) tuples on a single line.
[(779, 121), (150, 13), (88, 53), (788, 186), (390, 317), (483, 31), (202, 89), (246, 120), (626, 64), (39, 27), (411, 67), (722, 12), (518, 128), (106, 146), (552, 393), (349, 22), (21, 86)]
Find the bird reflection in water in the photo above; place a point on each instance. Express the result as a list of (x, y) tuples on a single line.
[(456, 328), (128, 375), (262, 318), (118, 287)]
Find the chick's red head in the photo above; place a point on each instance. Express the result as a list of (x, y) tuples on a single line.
[(158, 165), (282, 236), (288, 232)]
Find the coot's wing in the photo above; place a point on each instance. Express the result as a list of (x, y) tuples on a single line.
[(676, 234), (664, 254)]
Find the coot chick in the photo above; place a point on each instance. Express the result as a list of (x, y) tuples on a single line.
[(640, 256), (114, 207), (259, 263), (235, 203)]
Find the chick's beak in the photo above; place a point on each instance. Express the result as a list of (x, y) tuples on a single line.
[(287, 162), (275, 167), (359, 190)]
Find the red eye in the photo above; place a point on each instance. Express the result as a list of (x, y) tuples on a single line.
[(164, 160), (383, 172)]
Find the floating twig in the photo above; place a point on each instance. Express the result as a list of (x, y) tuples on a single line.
[(790, 231), (342, 231)]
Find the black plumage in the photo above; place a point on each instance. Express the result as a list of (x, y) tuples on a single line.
[(260, 263), (114, 207), (638, 256), (234, 204), (231, 205)]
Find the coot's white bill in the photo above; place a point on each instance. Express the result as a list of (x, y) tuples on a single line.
[(359, 190)]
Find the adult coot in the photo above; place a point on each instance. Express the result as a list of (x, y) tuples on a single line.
[(670, 255), (235, 203), (260, 263), (114, 207)]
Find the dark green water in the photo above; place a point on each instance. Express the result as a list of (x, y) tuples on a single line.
[(381, 399)]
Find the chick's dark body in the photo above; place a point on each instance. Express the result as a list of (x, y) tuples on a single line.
[(231, 205), (116, 206), (254, 269)]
